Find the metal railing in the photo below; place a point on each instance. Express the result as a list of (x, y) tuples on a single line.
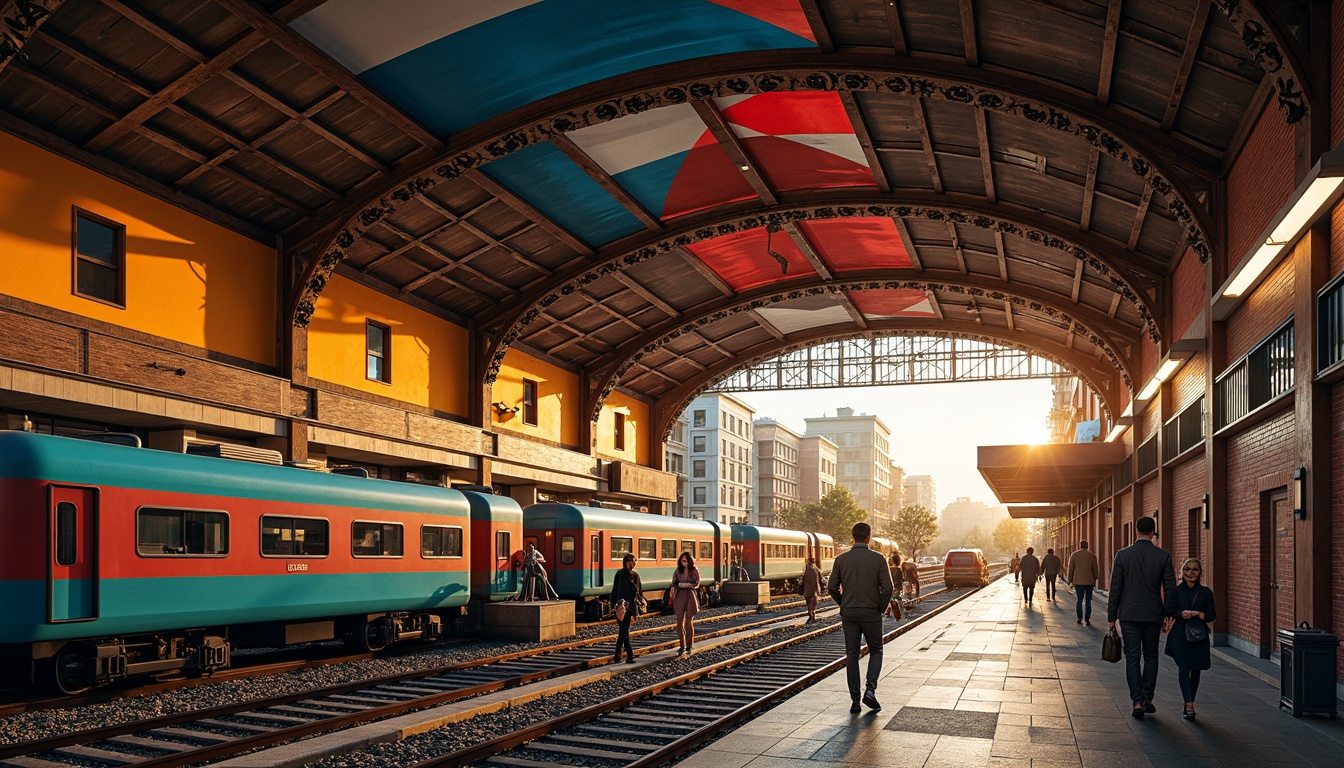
[(1183, 431), (1261, 376)]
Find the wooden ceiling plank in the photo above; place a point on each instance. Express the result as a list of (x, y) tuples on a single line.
[(450, 261), (462, 221), (528, 211), (645, 294), (1090, 189), (604, 180), (922, 124), (1115, 304), (157, 28), (816, 19), (403, 248), (897, 26), (986, 159), (278, 33), (1001, 253), (288, 11), (708, 274), (1139, 215), (92, 60), (655, 372), (848, 99), (968, 33), (767, 325), (1008, 314), (956, 247), (933, 303), (305, 117), (47, 82), (1077, 280), (909, 243), (1068, 339), (1111, 35), (1192, 42), (805, 246), (723, 133), (617, 318)]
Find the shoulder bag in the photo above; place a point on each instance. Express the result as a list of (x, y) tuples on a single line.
[(1111, 648), (1196, 631)]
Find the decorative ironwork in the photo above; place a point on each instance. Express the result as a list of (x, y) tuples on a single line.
[(20, 19), (1258, 39)]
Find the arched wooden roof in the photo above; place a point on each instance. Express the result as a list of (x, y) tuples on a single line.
[(657, 192)]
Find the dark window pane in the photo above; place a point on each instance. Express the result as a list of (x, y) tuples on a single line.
[(65, 534), (97, 241), (98, 281), (377, 337)]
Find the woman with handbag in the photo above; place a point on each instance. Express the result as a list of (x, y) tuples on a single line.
[(627, 592), (685, 600), (1191, 607)]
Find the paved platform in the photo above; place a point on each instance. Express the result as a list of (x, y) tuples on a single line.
[(993, 682)]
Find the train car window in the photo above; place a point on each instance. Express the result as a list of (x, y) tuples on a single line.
[(706, 553), (163, 532), (376, 540), (621, 546), (65, 533), (688, 546), (566, 550), (440, 541), (294, 536), (503, 545), (648, 549), (669, 549)]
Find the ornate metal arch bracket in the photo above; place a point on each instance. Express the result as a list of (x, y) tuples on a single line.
[(18, 20), (1257, 34)]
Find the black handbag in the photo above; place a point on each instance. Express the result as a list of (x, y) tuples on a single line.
[(1111, 649), (1196, 631)]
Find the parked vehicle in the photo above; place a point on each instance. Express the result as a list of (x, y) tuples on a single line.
[(965, 567)]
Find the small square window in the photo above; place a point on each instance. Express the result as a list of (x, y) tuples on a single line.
[(378, 352), (99, 246)]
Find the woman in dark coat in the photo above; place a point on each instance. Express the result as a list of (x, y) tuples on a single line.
[(628, 587), (1190, 602), (686, 600)]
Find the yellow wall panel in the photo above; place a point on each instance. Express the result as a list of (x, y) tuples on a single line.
[(429, 354), (637, 425), (186, 279), (558, 402)]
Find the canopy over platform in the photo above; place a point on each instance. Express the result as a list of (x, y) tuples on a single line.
[(1054, 472), (1036, 511)]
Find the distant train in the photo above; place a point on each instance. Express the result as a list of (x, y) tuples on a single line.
[(118, 561)]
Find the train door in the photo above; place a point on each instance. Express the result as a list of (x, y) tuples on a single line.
[(72, 570), (595, 560)]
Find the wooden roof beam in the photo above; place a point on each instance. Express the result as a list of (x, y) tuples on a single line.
[(805, 246), (529, 211), (434, 232), (922, 124), (482, 235), (1077, 280), (1192, 41), (816, 19), (851, 103), (1139, 215), (1115, 304), (909, 243), (723, 133), (1008, 314), (897, 25), (956, 247), (1002, 254), (1110, 36), (305, 117), (986, 160), (604, 180), (968, 33), (703, 269), (450, 261), (769, 328), (933, 303), (645, 294), (1090, 188)]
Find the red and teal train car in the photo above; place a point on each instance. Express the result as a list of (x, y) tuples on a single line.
[(117, 561), (779, 555), (496, 530), (584, 547)]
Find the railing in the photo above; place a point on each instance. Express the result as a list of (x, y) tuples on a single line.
[(1330, 324), (1261, 376), (1147, 456), (1183, 431)]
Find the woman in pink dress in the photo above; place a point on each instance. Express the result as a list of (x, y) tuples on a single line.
[(686, 602)]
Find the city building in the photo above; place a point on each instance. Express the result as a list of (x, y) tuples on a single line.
[(816, 468), (720, 458), (921, 490), (962, 515), (675, 462), (898, 488), (776, 470), (863, 458)]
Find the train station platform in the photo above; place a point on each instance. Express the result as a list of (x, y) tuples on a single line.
[(993, 682)]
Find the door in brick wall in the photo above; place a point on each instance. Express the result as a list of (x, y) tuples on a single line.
[(1281, 589)]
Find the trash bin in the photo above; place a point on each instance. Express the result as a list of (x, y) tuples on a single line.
[(1307, 683)]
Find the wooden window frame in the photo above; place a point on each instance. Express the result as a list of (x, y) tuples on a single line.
[(531, 413), (385, 355), (119, 231), (618, 431)]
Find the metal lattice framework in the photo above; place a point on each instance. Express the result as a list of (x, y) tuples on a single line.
[(870, 362)]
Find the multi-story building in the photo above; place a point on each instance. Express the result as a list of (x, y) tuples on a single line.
[(863, 458), (720, 458), (898, 489), (777, 470), (816, 468), (963, 514), (921, 490), (675, 462)]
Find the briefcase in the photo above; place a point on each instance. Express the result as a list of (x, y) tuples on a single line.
[(1111, 650)]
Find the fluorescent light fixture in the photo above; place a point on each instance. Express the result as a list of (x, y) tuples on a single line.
[(1320, 190), (1164, 372), (1116, 431)]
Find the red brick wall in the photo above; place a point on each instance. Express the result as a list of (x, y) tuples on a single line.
[(1149, 422), (1336, 73), (1261, 179), (1252, 457), (1337, 512), (1187, 385), (1337, 240), (1263, 311), (1187, 288), (1187, 493), (1152, 497), (1147, 362)]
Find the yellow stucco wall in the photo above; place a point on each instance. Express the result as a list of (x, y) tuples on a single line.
[(429, 354), (186, 279), (636, 429), (557, 399)]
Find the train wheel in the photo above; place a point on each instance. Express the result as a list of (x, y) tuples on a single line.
[(69, 672), (371, 638), (592, 610)]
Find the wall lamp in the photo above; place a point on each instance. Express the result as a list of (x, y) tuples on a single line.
[(176, 371), (1318, 192), (1176, 356), (504, 411), (1300, 493), (1121, 424), (1204, 510)]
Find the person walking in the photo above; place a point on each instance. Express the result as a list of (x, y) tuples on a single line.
[(1084, 570), (1142, 580), (812, 584), (1050, 568), (861, 585), (1190, 603), (1028, 570), (910, 575), (686, 600), (894, 570), (627, 593), (1014, 565)]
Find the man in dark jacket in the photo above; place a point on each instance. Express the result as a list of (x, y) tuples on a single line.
[(1028, 570), (861, 585), (1050, 568), (1141, 578)]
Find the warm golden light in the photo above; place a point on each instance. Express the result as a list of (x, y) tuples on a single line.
[(1163, 373), (1116, 431)]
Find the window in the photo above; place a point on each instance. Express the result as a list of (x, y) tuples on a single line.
[(100, 258), (621, 546), (619, 437), (698, 468), (698, 444), (440, 541), (567, 550), (697, 418), (503, 545), (530, 402), (705, 554), (688, 546), (648, 549), (66, 531), (287, 536), (181, 532), (378, 352), (697, 495), (669, 549), (376, 540)]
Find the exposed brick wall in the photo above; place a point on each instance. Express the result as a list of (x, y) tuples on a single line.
[(1187, 385), (1149, 422), (1337, 512), (1147, 362), (1260, 181), (1187, 286), (1336, 73), (1337, 240), (1187, 493), (1256, 458), (1262, 312), (1152, 497)]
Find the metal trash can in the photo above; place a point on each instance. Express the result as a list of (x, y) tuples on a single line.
[(1307, 682)]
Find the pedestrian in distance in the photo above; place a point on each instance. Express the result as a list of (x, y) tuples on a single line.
[(896, 573), (1051, 565), (1029, 570), (1013, 566), (627, 594), (686, 600), (812, 586), (910, 575), (1191, 603), (1084, 570), (1142, 580), (861, 585)]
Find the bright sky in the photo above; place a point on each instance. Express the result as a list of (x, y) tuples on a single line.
[(935, 428)]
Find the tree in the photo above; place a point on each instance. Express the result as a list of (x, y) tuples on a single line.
[(978, 538), (1010, 535), (913, 529), (835, 515)]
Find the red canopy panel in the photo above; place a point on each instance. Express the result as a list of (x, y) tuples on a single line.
[(742, 261)]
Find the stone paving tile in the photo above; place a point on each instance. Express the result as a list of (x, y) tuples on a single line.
[(958, 752), (1050, 735), (1104, 759), (793, 747)]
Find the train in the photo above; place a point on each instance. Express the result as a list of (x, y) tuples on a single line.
[(119, 561)]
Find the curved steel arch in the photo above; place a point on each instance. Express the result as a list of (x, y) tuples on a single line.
[(672, 404), (828, 72)]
